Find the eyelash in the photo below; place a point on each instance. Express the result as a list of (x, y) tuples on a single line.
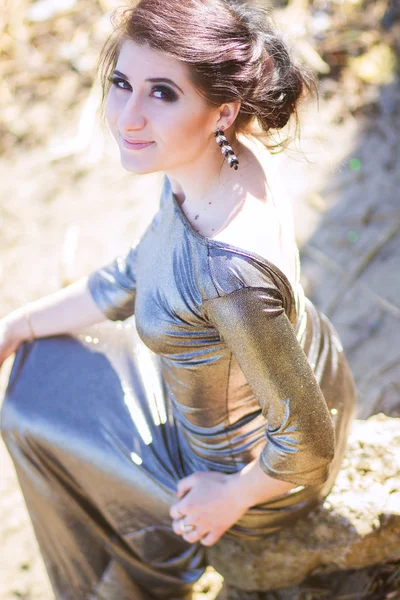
[(170, 94)]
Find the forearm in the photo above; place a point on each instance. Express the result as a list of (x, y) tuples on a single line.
[(63, 311), (255, 486)]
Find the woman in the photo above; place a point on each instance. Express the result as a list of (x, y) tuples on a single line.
[(222, 405)]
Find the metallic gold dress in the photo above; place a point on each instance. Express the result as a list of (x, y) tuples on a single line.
[(210, 359)]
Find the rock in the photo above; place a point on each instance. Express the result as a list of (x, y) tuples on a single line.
[(358, 524)]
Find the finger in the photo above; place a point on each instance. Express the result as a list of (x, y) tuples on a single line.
[(176, 527), (185, 485), (192, 536), (197, 533), (175, 511), (210, 538)]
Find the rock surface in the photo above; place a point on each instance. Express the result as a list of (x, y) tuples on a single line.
[(358, 525)]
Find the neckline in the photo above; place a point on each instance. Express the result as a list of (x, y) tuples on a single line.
[(207, 241)]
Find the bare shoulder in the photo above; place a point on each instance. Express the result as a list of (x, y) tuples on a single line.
[(263, 223)]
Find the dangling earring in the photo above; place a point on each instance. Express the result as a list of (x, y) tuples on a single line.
[(226, 149)]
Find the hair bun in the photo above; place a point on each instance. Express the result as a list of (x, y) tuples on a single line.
[(280, 85)]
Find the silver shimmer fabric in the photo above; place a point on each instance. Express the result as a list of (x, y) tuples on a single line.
[(210, 359)]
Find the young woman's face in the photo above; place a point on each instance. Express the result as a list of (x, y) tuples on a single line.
[(170, 117)]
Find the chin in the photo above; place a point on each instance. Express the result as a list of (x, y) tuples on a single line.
[(138, 169)]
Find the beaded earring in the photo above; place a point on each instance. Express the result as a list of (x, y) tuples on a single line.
[(226, 149)]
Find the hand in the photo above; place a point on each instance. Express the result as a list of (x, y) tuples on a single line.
[(209, 502), (8, 341)]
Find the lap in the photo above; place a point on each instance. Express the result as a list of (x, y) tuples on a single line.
[(94, 404)]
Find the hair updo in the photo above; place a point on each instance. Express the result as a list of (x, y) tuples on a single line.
[(233, 49)]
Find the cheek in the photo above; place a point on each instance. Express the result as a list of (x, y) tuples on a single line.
[(189, 131), (112, 110)]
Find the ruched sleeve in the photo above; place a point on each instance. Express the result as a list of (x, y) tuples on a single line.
[(300, 433), (113, 286)]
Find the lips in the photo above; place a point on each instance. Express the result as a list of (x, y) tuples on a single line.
[(135, 144), (137, 141)]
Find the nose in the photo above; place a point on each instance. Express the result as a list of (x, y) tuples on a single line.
[(131, 117)]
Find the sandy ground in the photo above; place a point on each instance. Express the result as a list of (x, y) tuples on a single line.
[(346, 203)]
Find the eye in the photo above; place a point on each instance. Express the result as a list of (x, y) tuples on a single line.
[(116, 82), (167, 93)]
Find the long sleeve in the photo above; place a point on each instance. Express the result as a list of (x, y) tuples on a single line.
[(113, 286), (300, 434)]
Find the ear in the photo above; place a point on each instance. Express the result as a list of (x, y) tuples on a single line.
[(228, 113)]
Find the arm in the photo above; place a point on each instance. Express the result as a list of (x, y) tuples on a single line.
[(106, 293), (300, 434), (69, 308), (254, 486)]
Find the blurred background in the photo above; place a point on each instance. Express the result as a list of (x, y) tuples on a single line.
[(67, 206)]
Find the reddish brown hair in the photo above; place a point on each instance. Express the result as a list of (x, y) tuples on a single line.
[(233, 49)]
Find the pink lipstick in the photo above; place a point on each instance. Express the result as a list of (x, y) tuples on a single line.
[(136, 145)]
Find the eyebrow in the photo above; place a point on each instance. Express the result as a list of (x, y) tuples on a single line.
[(153, 80)]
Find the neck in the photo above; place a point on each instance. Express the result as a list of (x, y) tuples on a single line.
[(197, 181)]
